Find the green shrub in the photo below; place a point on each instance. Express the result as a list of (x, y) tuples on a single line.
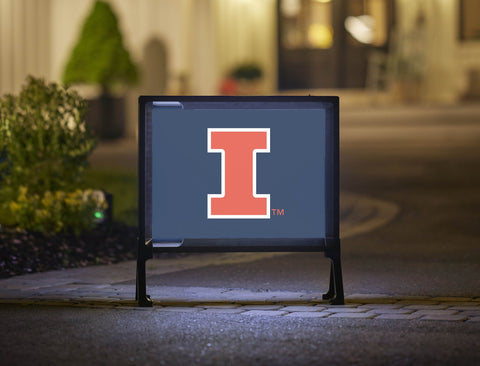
[(58, 211), (44, 148), (44, 138)]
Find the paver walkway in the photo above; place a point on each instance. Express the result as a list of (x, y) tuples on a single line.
[(245, 303)]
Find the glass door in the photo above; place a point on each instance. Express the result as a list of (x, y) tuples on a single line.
[(327, 43)]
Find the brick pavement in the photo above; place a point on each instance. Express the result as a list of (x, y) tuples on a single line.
[(112, 287), (360, 306)]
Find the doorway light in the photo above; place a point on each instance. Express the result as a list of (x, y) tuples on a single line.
[(320, 36), (361, 28)]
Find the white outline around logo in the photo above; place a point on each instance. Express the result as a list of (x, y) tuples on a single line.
[(254, 183)]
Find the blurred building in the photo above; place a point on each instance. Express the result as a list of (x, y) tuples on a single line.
[(426, 50)]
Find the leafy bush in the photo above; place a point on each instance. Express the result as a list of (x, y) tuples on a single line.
[(44, 145), (44, 138), (57, 211)]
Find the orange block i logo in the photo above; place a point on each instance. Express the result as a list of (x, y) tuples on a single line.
[(238, 198)]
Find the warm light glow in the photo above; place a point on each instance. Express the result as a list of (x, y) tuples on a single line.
[(323, 1), (320, 36), (290, 8), (361, 28)]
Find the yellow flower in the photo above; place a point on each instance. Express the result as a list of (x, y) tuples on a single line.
[(14, 206)]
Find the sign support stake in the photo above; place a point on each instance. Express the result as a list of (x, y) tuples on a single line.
[(335, 289), (141, 289)]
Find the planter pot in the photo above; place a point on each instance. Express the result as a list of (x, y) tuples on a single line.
[(248, 87), (106, 116)]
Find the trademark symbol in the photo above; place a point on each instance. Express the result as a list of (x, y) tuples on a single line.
[(278, 212)]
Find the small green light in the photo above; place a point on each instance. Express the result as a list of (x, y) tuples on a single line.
[(99, 215)]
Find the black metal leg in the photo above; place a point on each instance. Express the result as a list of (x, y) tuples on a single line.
[(141, 291), (331, 288), (335, 289), (338, 281)]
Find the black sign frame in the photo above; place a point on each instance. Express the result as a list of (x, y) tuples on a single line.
[(330, 244)]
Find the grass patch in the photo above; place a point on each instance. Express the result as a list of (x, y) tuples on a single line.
[(122, 183)]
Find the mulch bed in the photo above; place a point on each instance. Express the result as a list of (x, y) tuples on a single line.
[(28, 252)]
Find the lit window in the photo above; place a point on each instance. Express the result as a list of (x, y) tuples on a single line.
[(306, 23)]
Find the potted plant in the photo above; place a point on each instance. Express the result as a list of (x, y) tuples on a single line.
[(243, 79), (100, 58)]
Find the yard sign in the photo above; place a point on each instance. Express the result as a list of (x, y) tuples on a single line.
[(239, 174)]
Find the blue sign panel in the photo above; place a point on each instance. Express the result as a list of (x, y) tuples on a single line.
[(238, 173)]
